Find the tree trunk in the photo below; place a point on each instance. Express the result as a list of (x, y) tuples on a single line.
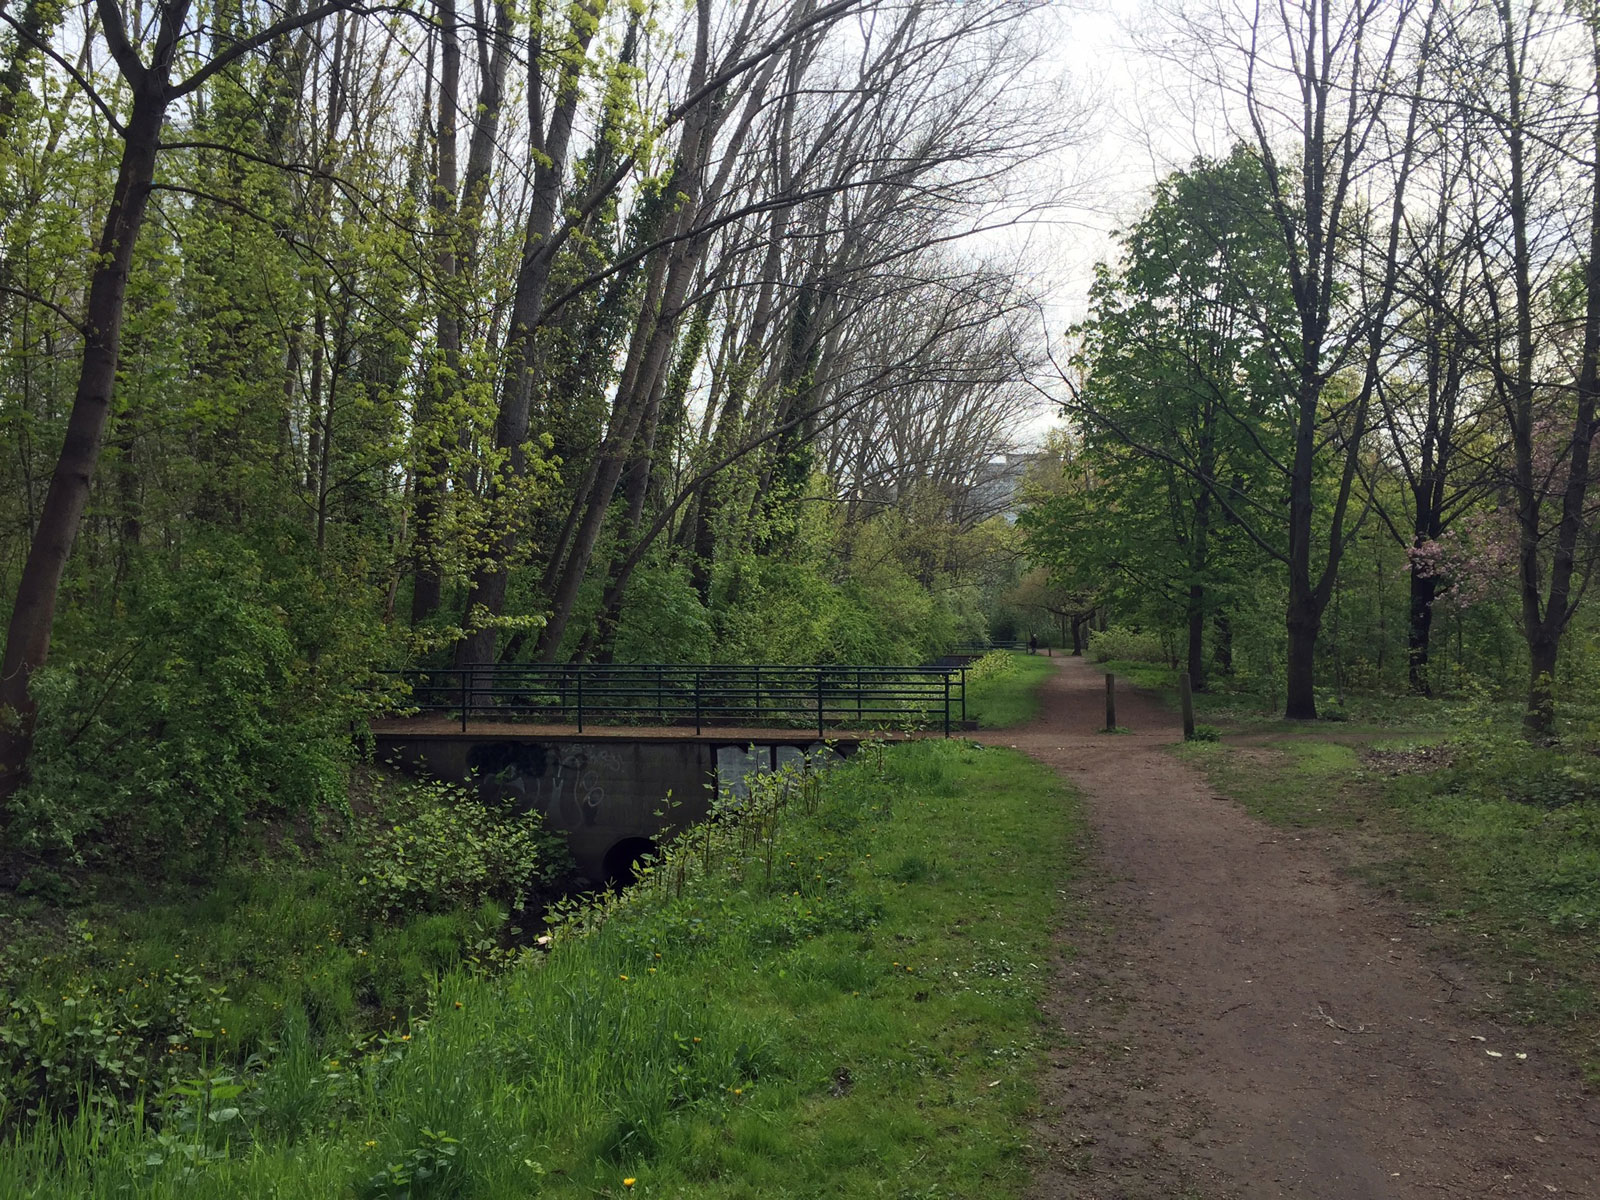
[(1545, 624), (1197, 636), (33, 613), (488, 593), (1539, 721), (459, 228), (1423, 589), (598, 640), (651, 344), (1222, 643), (428, 588), (612, 459), (1199, 561), (1304, 623)]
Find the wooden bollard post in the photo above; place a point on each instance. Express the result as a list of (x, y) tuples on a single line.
[(1186, 699), (1111, 703)]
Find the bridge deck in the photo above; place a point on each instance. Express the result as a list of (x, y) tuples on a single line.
[(431, 726)]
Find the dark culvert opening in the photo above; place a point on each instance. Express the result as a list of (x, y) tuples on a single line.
[(621, 863)]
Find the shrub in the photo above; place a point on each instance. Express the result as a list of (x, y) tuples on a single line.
[(1128, 645), (991, 666), (224, 691), (456, 852), (87, 1048)]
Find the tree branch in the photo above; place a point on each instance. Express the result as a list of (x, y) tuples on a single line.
[(254, 42)]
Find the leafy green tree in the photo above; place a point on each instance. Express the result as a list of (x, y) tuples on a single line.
[(1182, 419), (152, 88)]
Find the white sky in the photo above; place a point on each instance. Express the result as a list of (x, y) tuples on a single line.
[(1145, 123)]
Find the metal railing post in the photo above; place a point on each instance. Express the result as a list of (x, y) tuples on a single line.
[(580, 698), (697, 703), (819, 702), (963, 697), (464, 674), (947, 704)]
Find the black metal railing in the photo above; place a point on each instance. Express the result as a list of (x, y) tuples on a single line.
[(646, 693)]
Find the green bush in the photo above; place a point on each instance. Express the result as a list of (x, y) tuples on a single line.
[(222, 692), (1128, 645), (992, 665), (456, 852)]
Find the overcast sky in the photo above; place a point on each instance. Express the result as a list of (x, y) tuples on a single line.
[(1146, 121)]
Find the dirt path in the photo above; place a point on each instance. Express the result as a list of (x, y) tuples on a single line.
[(1241, 1022)]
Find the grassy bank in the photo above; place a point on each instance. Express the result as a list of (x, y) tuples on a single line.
[(1492, 845), (1003, 688), (845, 1002), (120, 990)]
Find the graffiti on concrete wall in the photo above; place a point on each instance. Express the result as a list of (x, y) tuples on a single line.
[(567, 783)]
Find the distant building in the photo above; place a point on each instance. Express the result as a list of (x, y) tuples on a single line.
[(997, 483)]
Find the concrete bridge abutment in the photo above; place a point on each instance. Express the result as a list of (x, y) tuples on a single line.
[(612, 795)]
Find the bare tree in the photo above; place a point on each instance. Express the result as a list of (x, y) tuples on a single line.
[(1536, 197), (1432, 391), (1336, 140)]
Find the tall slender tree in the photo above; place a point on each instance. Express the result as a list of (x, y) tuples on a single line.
[(151, 88)]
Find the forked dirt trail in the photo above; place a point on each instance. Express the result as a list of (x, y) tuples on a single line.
[(1241, 1022)]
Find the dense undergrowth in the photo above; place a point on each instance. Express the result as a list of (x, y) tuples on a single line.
[(834, 990), (117, 1004)]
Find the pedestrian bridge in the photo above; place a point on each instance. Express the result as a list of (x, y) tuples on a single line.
[(598, 750)]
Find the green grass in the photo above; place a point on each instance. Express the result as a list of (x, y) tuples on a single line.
[(1510, 884), (127, 986), (271, 936), (999, 699), (864, 1024), (1355, 712)]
